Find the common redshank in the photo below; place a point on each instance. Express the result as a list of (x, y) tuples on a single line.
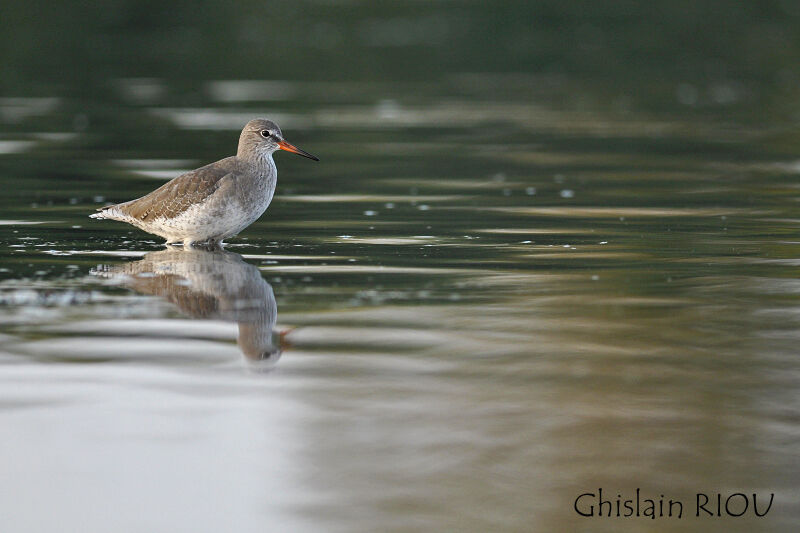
[(216, 201), (212, 284)]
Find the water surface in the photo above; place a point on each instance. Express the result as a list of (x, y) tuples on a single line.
[(495, 292)]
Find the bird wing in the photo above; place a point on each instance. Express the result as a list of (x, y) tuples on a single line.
[(182, 192)]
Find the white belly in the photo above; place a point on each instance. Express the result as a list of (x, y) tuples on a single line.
[(215, 219)]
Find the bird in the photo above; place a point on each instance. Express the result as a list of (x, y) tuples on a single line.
[(213, 202), (213, 284)]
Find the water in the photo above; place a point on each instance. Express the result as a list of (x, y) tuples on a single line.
[(501, 287)]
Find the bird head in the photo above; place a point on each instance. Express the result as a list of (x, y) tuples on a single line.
[(263, 137)]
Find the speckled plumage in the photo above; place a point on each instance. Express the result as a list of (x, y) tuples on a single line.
[(213, 202)]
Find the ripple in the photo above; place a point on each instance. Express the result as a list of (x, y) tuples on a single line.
[(368, 198), (162, 327), (284, 257), (153, 164), (140, 91), (116, 253), (535, 231), (15, 147), (232, 119), (368, 339), (389, 240), (21, 222), (368, 269), (160, 174), (46, 297), (234, 91), (133, 348), (455, 183), (17, 109), (599, 212)]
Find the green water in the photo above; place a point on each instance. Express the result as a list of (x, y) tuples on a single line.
[(548, 249)]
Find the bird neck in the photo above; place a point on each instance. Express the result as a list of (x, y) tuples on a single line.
[(261, 159)]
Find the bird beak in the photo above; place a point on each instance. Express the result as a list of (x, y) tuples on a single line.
[(283, 145)]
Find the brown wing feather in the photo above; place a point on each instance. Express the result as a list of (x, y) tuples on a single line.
[(182, 192)]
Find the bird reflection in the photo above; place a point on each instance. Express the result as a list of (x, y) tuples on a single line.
[(212, 284)]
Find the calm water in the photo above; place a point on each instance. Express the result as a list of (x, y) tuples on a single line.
[(495, 292)]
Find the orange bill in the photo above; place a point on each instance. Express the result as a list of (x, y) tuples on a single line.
[(295, 150)]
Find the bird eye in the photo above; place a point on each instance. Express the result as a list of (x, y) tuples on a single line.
[(265, 133)]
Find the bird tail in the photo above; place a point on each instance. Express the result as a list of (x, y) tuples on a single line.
[(111, 212)]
